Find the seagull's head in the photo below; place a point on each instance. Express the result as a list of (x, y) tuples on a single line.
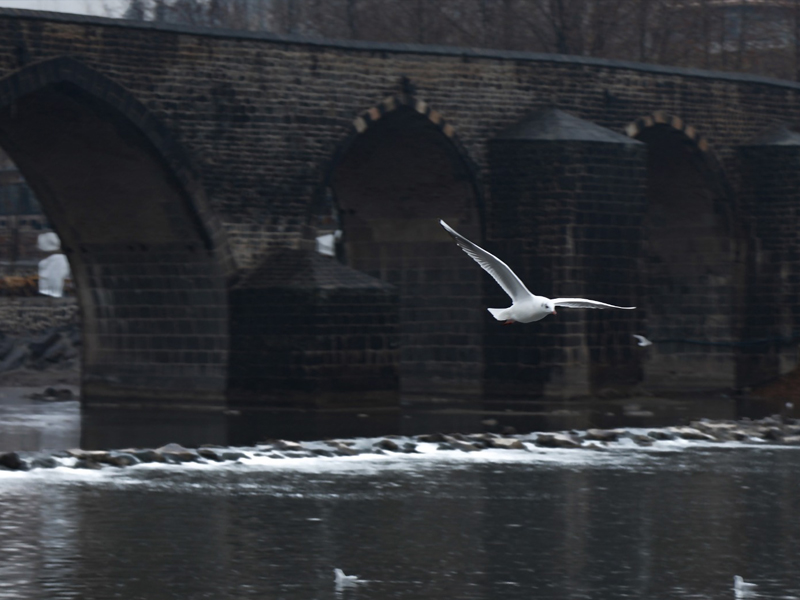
[(549, 307)]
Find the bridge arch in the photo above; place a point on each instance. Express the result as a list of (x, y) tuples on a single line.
[(148, 257), (693, 265), (400, 169)]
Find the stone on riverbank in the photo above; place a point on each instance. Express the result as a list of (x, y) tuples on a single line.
[(660, 434), (460, 444), (387, 444), (146, 455), (175, 452), (287, 445), (44, 462), (690, 433), (556, 440), (601, 435), (210, 454), (121, 459), (13, 462), (506, 444)]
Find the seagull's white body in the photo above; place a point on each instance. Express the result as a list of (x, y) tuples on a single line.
[(741, 587), (525, 306), (343, 580), (643, 341)]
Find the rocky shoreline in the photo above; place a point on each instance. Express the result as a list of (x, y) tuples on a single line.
[(51, 356), (774, 430)]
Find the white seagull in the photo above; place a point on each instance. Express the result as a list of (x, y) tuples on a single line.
[(343, 580), (525, 307), (742, 588), (643, 341)]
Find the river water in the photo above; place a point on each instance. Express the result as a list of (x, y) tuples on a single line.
[(671, 521)]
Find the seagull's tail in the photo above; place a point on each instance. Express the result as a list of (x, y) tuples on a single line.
[(498, 313)]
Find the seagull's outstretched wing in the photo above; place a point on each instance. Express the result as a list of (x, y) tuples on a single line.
[(584, 303), (491, 264)]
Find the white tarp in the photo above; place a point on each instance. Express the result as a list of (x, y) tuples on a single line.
[(54, 269)]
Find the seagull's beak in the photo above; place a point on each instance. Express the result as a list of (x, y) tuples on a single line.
[(554, 312)]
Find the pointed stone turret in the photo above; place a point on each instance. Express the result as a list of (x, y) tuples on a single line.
[(769, 170), (552, 124), (780, 135), (311, 332), (566, 202)]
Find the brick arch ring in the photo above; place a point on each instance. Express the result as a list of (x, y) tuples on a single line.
[(635, 128), (660, 118), (394, 102), (391, 103), (65, 69)]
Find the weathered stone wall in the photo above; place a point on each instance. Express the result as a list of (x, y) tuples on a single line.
[(261, 116), (31, 315)]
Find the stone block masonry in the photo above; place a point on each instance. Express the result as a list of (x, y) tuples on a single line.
[(36, 314)]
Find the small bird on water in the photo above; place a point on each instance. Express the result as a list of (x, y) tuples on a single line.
[(642, 341), (343, 580), (525, 306), (742, 588)]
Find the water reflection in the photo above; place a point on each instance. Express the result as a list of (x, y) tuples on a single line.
[(666, 526), (30, 425)]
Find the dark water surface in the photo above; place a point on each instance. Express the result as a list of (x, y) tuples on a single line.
[(674, 521), (627, 523)]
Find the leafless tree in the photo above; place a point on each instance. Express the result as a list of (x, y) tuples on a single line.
[(761, 36)]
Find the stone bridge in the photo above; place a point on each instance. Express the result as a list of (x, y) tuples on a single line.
[(189, 171)]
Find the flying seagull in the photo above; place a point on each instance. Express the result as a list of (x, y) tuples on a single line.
[(525, 307), (643, 341)]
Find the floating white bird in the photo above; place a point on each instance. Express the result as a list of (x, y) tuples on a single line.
[(743, 588), (643, 341), (343, 580), (525, 307)]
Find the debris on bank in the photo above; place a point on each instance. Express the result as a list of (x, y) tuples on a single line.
[(774, 430)]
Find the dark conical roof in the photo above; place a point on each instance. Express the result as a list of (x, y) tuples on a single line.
[(552, 124), (289, 268), (780, 135)]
